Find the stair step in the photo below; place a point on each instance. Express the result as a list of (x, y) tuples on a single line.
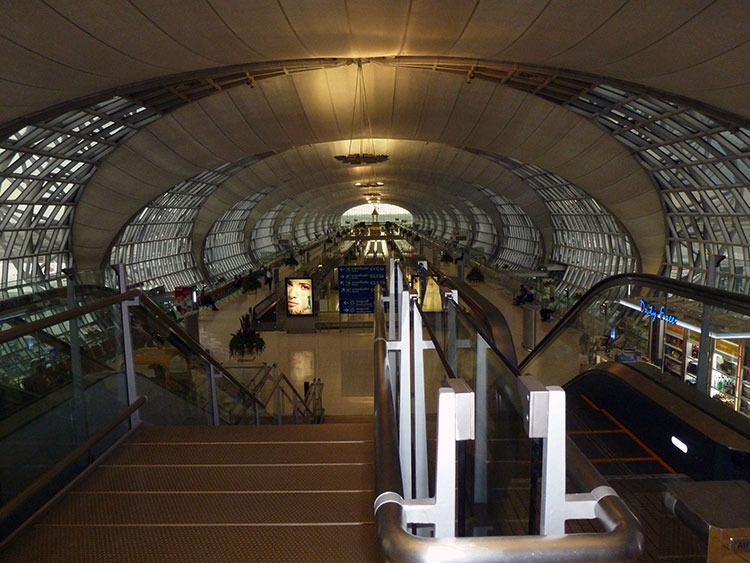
[(264, 433), (293, 453), (195, 544), (231, 478), (88, 509)]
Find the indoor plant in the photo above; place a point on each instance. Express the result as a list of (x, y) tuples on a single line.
[(247, 340)]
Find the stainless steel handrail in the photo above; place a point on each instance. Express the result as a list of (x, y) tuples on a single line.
[(622, 540), (118, 299)]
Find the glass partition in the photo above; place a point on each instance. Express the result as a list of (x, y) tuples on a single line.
[(497, 467), (678, 335), (59, 385)]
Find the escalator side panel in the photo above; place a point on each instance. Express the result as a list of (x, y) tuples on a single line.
[(655, 424)]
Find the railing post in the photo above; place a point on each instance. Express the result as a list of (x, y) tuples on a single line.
[(403, 346), (127, 343), (213, 395), (545, 418), (455, 423), (480, 443), (278, 400), (419, 345)]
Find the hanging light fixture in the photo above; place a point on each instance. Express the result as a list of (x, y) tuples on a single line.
[(361, 127)]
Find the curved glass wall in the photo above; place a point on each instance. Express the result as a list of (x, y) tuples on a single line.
[(520, 248), (225, 254), (43, 169), (156, 246), (587, 238), (484, 238), (264, 245), (702, 167)]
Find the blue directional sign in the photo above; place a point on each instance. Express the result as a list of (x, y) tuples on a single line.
[(357, 288)]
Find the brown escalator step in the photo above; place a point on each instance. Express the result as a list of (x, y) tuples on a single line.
[(245, 454), (90, 509), (194, 544), (292, 432), (231, 478)]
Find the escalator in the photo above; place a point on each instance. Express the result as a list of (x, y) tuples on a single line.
[(646, 430)]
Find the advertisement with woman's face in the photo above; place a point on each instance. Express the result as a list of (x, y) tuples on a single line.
[(299, 296)]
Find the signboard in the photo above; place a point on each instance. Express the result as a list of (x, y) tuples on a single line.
[(299, 296), (357, 288)]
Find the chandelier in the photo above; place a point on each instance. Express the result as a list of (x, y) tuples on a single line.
[(361, 128)]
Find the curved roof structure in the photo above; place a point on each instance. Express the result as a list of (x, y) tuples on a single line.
[(186, 139)]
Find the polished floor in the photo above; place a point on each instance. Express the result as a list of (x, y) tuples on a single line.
[(341, 359)]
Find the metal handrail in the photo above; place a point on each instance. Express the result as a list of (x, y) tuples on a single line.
[(135, 294), (721, 298), (193, 345), (622, 540), (58, 318), (497, 334), (46, 478)]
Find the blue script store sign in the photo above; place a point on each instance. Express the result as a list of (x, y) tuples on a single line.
[(654, 314)]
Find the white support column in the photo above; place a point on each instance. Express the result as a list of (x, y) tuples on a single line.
[(545, 418), (552, 518), (480, 444), (391, 300), (127, 343), (455, 422), (419, 345), (403, 346)]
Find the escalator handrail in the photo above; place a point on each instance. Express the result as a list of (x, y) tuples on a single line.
[(735, 302), (194, 345), (134, 294), (70, 314), (498, 333), (622, 540)]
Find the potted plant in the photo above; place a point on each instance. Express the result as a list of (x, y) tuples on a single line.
[(475, 275), (247, 340), (250, 283)]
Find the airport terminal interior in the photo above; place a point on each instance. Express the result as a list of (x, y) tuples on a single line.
[(344, 280)]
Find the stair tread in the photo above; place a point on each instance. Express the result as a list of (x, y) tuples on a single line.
[(240, 454), (83, 508), (195, 544), (263, 433), (231, 478)]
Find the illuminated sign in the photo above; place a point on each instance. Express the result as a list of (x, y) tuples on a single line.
[(660, 314)]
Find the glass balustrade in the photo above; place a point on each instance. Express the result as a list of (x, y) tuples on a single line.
[(496, 474), (677, 334), (60, 385)]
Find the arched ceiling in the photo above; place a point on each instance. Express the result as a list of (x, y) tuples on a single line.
[(405, 104), (57, 50), (274, 80)]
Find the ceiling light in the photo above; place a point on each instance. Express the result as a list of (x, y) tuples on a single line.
[(375, 184), (361, 127)]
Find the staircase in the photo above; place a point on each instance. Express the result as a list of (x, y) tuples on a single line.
[(187, 494)]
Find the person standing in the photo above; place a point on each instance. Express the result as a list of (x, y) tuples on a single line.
[(422, 273), (269, 278)]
